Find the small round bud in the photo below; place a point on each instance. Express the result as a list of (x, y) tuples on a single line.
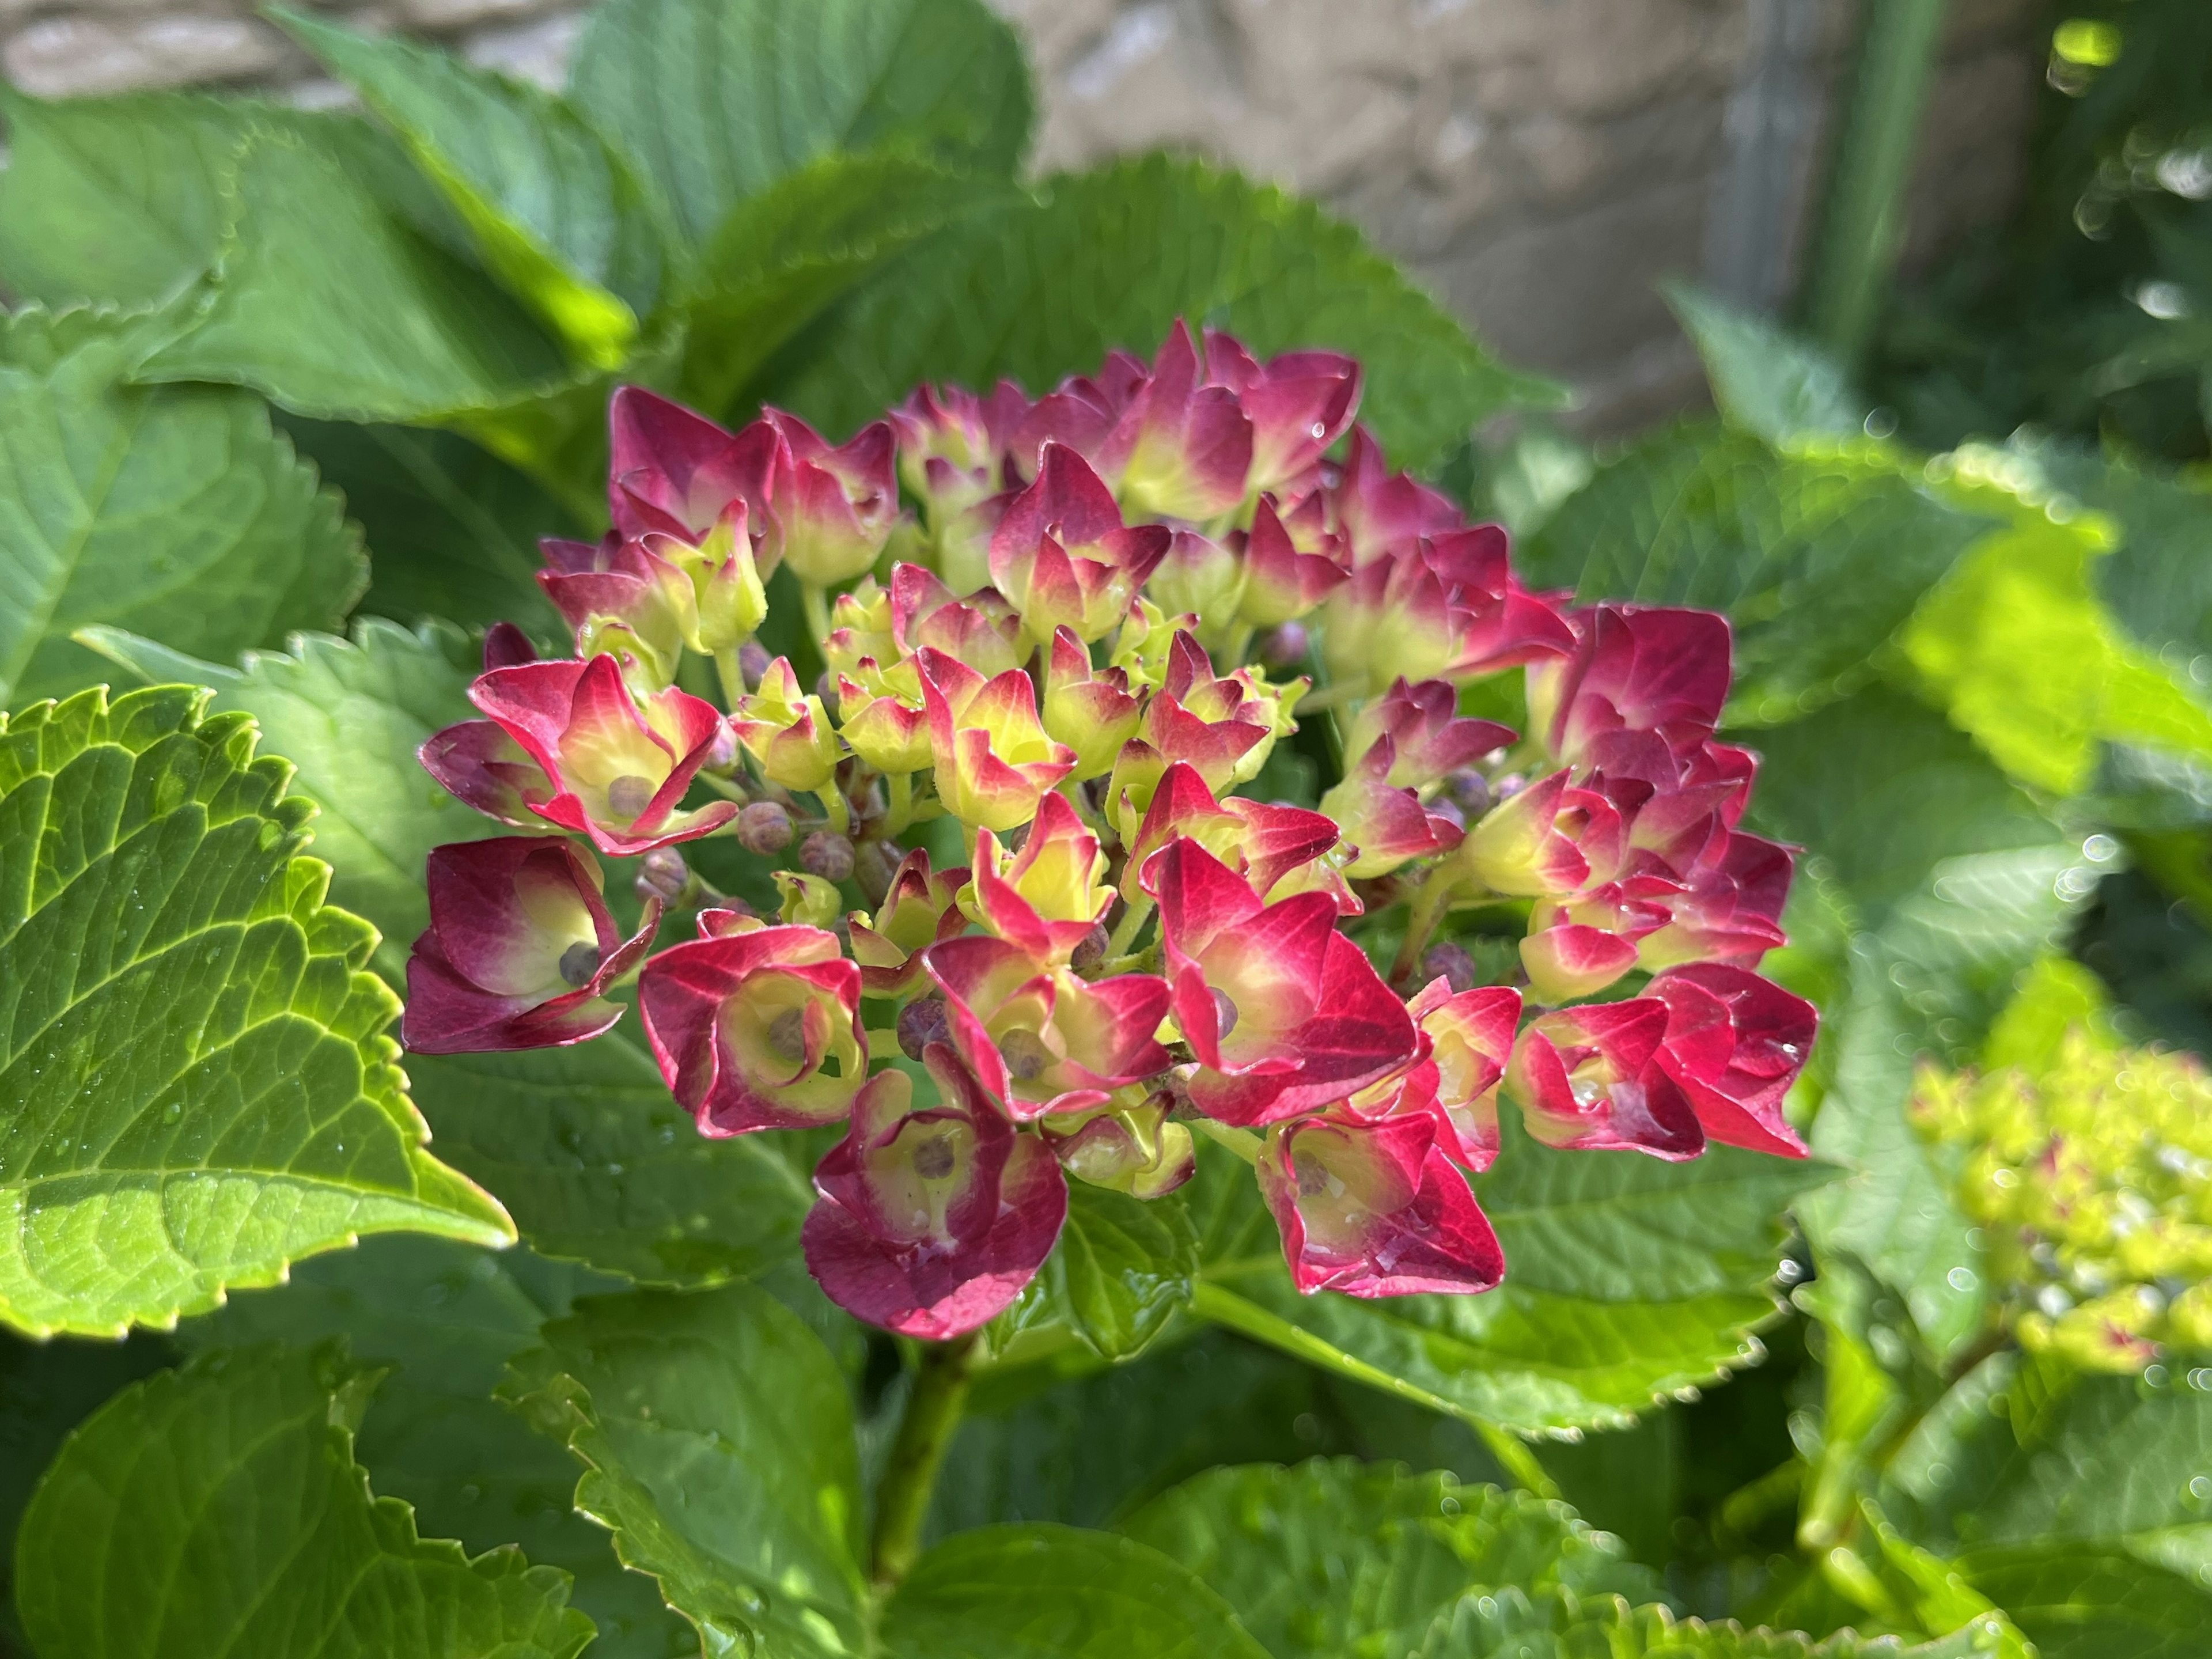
[(826, 853), (764, 828), (1508, 787), (1470, 790), (1454, 964), (875, 864), (1092, 951), (721, 750), (752, 662), (662, 874), (1444, 807), (922, 1023), (505, 646), (1285, 646)]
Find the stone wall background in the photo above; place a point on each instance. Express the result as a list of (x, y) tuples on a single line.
[(1541, 163)]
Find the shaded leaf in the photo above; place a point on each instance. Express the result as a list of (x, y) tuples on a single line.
[(1121, 1270), (1765, 379), (716, 1438), (786, 256), (1817, 555), (716, 99), (1333, 1556), (1627, 1281), (1048, 1592), (2077, 1603), (121, 199), (1512, 1625), (325, 303), (218, 1509), (175, 512), (198, 1086), (452, 530), (445, 1319), (1111, 258), (350, 716), (556, 215)]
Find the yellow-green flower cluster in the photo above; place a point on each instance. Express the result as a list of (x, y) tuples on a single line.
[(2091, 1180)]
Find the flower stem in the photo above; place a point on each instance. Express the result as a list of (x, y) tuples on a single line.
[(733, 675), (899, 802), (835, 810), (1428, 909), (1126, 930), (815, 601), (1242, 1142), (925, 1434)]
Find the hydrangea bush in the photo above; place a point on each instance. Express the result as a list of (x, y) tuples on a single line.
[(765, 891), (1080, 646)]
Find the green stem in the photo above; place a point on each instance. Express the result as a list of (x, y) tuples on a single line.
[(899, 802), (834, 809), (1514, 1456), (1242, 1142), (815, 601), (924, 1433), (1133, 918), (1862, 220), (1428, 909), (732, 673)]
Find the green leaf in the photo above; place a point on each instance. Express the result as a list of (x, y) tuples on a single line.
[(1111, 258), (1817, 555), (452, 530), (324, 302), (2025, 1451), (1511, 1625), (1122, 1270), (350, 716), (716, 1437), (2077, 1603), (1047, 1592), (47, 1389), (1962, 884), (218, 1509), (716, 99), (1771, 383), (1336, 1557), (2159, 581), (1882, 788), (786, 256), (445, 1318), (2020, 651), (176, 512), (120, 199), (1029, 1446), (198, 1086), (557, 214), (1929, 983), (593, 1156), (598, 1164), (1627, 1281)]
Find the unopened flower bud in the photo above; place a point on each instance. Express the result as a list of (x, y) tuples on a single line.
[(875, 866), (662, 874), (826, 853), (722, 751), (1454, 964), (1509, 785), (506, 645), (764, 828), (752, 662), (1285, 646), (1091, 951), (922, 1023), (1446, 808), (1470, 791)]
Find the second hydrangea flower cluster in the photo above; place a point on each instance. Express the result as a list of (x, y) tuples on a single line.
[(1075, 626)]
